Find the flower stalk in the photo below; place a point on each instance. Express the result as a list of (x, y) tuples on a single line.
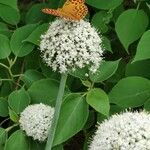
[(58, 104)]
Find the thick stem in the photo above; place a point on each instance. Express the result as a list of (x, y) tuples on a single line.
[(57, 112)]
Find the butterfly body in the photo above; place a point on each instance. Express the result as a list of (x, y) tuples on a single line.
[(72, 10)]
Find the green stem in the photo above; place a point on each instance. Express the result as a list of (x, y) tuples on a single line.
[(4, 66), (57, 112), (6, 80), (11, 127)]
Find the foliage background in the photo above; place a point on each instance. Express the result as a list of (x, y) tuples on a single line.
[(121, 82)]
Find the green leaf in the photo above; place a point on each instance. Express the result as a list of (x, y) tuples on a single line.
[(100, 21), (106, 44), (104, 4), (59, 147), (147, 105), (31, 76), (35, 15), (19, 100), (139, 68), (143, 51), (105, 71), (81, 73), (4, 29), (13, 115), (115, 109), (48, 72), (99, 100), (11, 3), (129, 31), (17, 141), (35, 145), (44, 91), (9, 14), (31, 60), (3, 107), (130, 92), (90, 121), (19, 47), (73, 116), (3, 138), (119, 74), (34, 37), (4, 46), (5, 89)]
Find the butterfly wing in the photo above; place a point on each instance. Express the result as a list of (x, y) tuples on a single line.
[(58, 12), (54, 12), (76, 9), (81, 10), (76, 1), (72, 10)]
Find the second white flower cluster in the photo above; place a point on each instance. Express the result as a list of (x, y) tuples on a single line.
[(127, 131)]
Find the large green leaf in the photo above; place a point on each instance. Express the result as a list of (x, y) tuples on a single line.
[(100, 20), (18, 45), (35, 145), (147, 105), (9, 14), (3, 107), (13, 116), (17, 141), (99, 100), (31, 76), (4, 29), (11, 3), (73, 116), (130, 26), (143, 49), (139, 68), (34, 37), (81, 73), (32, 60), (3, 138), (130, 92), (4, 46), (104, 4), (105, 71), (44, 91), (106, 44), (35, 15), (19, 100)]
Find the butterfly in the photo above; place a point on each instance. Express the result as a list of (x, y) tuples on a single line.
[(72, 10)]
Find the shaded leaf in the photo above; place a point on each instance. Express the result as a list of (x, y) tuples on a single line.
[(105, 71), (3, 107), (129, 31), (130, 92), (104, 4), (143, 51)]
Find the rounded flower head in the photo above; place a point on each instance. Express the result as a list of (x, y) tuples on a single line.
[(127, 131), (36, 120), (71, 44)]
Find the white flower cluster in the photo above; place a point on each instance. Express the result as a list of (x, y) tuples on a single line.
[(70, 45), (127, 131), (36, 120)]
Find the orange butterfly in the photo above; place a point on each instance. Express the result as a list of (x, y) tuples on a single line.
[(72, 10)]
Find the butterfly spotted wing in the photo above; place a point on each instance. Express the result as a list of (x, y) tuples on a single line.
[(72, 10)]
